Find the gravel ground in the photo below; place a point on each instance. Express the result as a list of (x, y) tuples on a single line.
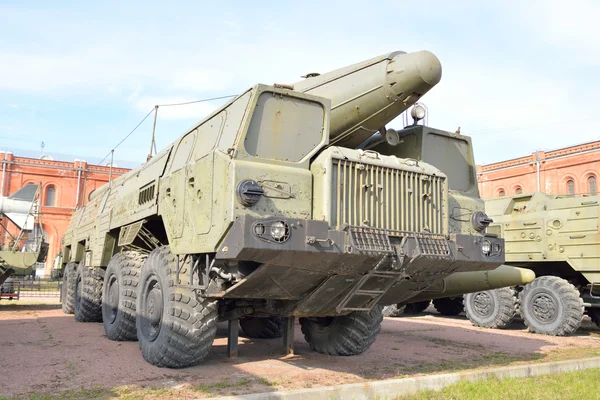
[(46, 351)]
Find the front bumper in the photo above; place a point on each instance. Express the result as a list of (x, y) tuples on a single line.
[(331, 272)]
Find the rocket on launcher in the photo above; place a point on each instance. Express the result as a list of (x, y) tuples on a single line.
[(368, 95)]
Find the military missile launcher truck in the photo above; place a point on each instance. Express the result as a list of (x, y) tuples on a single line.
[(22, 242), (557, 237), (289, 201)]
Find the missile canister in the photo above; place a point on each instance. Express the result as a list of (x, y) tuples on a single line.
[(461, 283), (368, 95)]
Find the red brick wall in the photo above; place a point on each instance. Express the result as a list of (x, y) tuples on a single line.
[(557, 167), (66, 178)]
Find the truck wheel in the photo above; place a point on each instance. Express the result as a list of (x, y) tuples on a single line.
[(551, 306), (119, 295), (345, 335), (68, 289), (491, 308), (392, 311), (449, 306), (262, 328), (175, 327), (88, 295), (416, 308)]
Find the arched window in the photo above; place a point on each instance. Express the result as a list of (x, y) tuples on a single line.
[(518, 190), (571, 186), (50, 196), (501, 193), (592, 185)]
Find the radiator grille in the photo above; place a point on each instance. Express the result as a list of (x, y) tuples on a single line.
[(387, 198)]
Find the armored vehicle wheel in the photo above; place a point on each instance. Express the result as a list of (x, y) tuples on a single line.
[(594, 314), (551, 306), (416, 308), (392, 311), (88, 295), (175, 328), (449, 306), (345, 335), (262, 328), (119, 295), (68, 289), (491, 308)]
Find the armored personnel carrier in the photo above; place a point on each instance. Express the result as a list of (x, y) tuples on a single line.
[(288, 201), (557, 237)]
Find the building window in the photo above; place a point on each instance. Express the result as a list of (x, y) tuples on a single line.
[(501, 193), (592, 185), (571, 186), (50, 196), (518, 190)]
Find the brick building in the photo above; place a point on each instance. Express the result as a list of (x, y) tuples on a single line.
[(65, 187), (570, 170)]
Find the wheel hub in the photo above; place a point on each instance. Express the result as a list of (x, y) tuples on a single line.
[(152, 308), (78, 291), (113, 298), (544, 308), (483, 304)]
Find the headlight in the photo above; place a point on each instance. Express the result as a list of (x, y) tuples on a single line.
[(249, 192), (272, 230), (480, 221), (279, 231), (486, 247)]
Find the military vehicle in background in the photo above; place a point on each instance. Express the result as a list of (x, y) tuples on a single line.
[(288, 201), (557, 237), (22, 244)]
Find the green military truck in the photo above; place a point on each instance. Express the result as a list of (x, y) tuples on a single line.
[(288, 201), (557, 237)]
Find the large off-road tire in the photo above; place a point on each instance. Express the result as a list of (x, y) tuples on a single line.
[(175, 328), (416, 308), (494, 309), (88, 294), (449, 306), (392, 311), (345, 335), (551, 306), (120, 293), (68, 289), (262, 328)]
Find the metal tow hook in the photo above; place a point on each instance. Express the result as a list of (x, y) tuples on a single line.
[(313, 240)]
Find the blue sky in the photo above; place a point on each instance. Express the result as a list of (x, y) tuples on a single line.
[(517, 76)]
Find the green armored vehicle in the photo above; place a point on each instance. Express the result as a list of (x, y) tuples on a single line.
[(557, 237), (289, 201)]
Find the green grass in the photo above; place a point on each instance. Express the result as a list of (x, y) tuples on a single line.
[(568, 385)]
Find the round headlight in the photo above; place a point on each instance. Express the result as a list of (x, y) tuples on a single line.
[(249, 192), (486, 247), (417, 112), (278, 230), (480, 221)]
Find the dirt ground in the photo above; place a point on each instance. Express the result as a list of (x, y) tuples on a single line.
[(46, 352)]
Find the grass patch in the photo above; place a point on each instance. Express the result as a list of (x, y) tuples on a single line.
[(96, 392), (568, 385), (224, 384)]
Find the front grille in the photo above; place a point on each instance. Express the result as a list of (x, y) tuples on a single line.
[(387, 198)]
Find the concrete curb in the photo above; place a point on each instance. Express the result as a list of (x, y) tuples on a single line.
[(397, 387)]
